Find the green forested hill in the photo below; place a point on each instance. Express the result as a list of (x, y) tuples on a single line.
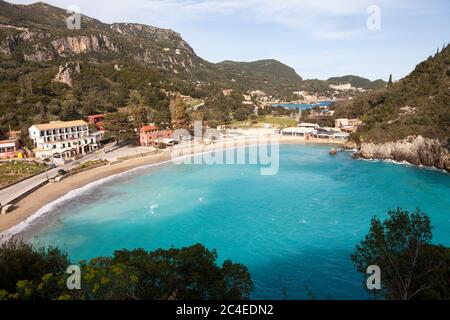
[(102, 65), (357, 82), (271, 76), (48, 72), (266, 73), (269, 68), (96, 68), (419, 104)]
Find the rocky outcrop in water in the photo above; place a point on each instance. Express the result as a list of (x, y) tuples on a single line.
[(416, 150), (351, 145)]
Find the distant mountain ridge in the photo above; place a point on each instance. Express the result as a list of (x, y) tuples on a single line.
[(49, 72), (159, 49), (46, 25), (45, 38)]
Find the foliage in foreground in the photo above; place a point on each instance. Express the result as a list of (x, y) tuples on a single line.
[(189, 273), (411, 267)]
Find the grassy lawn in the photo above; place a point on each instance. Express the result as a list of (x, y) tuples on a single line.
[(14, 171), (282, 122), (92, 163), (89, 165)]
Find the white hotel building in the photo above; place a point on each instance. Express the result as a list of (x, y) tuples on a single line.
[(62, 140)]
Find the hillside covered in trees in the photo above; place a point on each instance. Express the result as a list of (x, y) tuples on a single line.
[(418, 104), (49, 72)]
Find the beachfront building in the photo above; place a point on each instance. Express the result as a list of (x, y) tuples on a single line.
[(150, 136), (314, 133), (323, 133), (9, 149), (297, 132), (62, 141), (343, 136), (348, 125), (311, 126)]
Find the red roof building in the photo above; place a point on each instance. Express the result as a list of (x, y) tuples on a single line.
[(149, 135), (97, 120)]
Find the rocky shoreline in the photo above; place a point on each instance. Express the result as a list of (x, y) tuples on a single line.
[(416, 150)]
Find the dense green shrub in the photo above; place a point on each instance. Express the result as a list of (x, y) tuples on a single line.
[(191, 273)]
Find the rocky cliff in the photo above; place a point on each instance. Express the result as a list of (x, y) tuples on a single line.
[(416, 150), (66, 73), (39, 33), (82, 44), (11, 41), (409, 120)]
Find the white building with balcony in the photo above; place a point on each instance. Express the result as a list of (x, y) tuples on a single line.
[(62, 140), (311, 126)]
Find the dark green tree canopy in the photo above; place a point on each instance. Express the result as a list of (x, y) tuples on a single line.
[(118, 126), (190, 273), (179, 115), (411, 267)]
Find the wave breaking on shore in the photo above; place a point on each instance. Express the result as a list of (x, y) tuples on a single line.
[(26, 224), (405, 163)]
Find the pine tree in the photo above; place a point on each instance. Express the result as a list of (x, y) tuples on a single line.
[(179, 116), (119, 127), (140, 116)]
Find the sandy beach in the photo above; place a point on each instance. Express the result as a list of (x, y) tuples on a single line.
[(28, 206)]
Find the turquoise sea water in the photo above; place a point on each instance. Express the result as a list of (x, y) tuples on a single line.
[(295, 230), (304, 106)]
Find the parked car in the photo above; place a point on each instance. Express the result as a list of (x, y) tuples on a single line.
[(52, 166), (62, 172)]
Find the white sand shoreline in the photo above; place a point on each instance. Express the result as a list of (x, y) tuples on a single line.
[(75, 186)]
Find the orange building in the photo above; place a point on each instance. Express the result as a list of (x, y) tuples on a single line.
[(149, 135), (97, 120)]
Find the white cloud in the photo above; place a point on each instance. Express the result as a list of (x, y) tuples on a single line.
[(324, 19), (320, 19)]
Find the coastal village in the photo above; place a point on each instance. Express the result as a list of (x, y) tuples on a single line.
[(62, 141), (65, 140), (59, 142), (68, 147)]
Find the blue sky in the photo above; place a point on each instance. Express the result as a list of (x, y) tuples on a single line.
[(319, 38)]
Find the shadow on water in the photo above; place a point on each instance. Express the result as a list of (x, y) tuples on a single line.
[(315, 274)]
